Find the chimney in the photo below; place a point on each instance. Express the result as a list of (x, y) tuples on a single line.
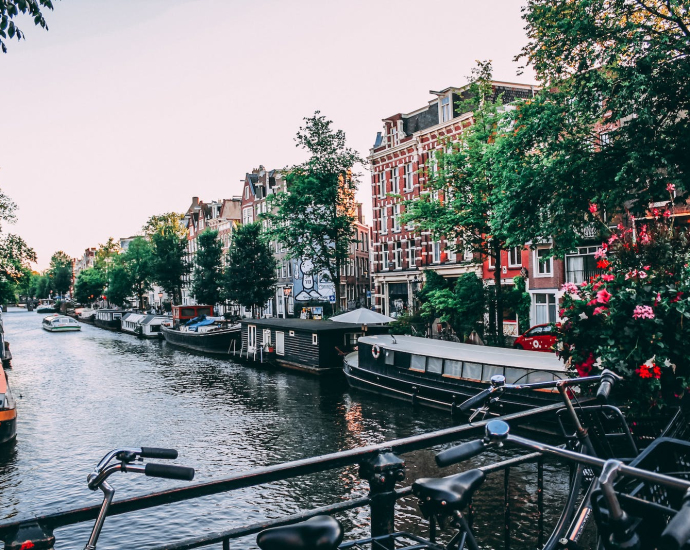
[(360, 217)]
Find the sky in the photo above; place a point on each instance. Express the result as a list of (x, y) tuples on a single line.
[(129, 108)]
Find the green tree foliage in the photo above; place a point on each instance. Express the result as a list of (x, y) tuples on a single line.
[(138, 260), (89, 285), (42, 286), (169, 244), (119, 283), (250, 275), (433, 285), (105, 255), (60, 272), (518, 299), (622, 64), (208, 272), (463, 193), (9, 9), (315, 217)]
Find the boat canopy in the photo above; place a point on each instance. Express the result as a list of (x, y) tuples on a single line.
[(155, 320), (200, 322), (133, 317), (486, 355)]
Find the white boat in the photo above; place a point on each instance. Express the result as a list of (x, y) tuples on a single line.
[(144, 324), (60, 323), (85, 314)]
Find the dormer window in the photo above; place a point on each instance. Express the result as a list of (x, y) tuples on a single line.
[(394, 135), (246, 192), (446, 114)]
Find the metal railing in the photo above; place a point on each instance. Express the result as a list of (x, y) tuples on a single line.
[(378, 464)]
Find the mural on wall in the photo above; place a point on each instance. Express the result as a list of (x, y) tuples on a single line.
[(310, 285)]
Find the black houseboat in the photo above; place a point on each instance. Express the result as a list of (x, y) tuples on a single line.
[(443, 374), (110, 319), (201, 332), (303, 344)]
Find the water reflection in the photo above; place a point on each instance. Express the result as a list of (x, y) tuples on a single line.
[(86, 393)]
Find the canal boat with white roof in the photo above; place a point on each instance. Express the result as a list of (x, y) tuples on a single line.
[(60, 323), (145, 325), (443, 374)]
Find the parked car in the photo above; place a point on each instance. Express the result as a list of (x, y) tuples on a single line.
[(538, 338)]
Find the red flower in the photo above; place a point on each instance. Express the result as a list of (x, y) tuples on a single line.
[(657, 371), (602, 264), (677, 298), (585, 368), (644, 371)]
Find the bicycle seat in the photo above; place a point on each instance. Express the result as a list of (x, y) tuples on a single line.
[(317, 533), (447, 494)]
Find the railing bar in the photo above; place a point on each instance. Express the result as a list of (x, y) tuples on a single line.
[(239, 532), (524, 459), (506, 504), (540, 501), (277, 472)]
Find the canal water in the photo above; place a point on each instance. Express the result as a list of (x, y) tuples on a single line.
[(82, 394)]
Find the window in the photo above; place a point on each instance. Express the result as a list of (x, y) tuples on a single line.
[(418, 362), (451, 253), (384, 220), (395, 180), (411, 260), (390, 358), (544, 308), (515, 257), (247, 215), (267, 337), (432, 163), (409, 177), (445, 109), (315, 339), (544, 263), (289, 270), (397, 255), (246, 192), (435, 364), (583, 266), (396, 218), (453, 368), (436, 245), (382, 184), (384, 254), (604, 139), (394, 134)]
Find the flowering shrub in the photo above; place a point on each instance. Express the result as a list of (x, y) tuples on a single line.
[(634, 317)]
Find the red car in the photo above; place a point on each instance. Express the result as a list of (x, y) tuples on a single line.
[(538, 338)]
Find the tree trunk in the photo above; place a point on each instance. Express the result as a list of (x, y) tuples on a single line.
[(499, 296), (336, 282)]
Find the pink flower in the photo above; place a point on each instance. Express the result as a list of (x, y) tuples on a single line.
[(600, 253), (642, 275), (655, 212), (600, 310), (593, 208), (613, 238), (645, 239), (603, 296), (608, 277), (670, 188), (667, 213), (570, 287), (647, 267), (621, 227), (643, 312)]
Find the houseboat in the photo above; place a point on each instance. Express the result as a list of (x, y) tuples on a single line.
[(202, 332), (46, 306), (5, 353), (86, 315), (110, 319), (60, 323), (443, 374), (8, 410), (144, 324), (309, 345)]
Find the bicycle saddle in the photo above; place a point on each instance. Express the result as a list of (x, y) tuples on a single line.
[(317, 533), (447, 494)]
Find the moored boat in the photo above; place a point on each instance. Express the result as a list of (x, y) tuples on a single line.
[(60, 323), (46, 306), (206, 334), (143, 324), (443, 374), (110, 319), (8, 410)]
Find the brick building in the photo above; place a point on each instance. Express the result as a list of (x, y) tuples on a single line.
[(399, 161)]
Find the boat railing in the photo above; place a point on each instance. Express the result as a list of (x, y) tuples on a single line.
[(380, 465)]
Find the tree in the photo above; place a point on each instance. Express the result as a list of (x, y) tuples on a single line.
[(105, 254), (60, 272), (89, 285), (609, 133), (462, 194), (10, 9), (315, 216), (208, 273), (169, 245), (250, 275), (119, 283), (138, 260)]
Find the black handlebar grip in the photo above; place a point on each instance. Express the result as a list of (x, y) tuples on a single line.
[(169, 471), (154, 452), (476, 400), (460, 453), (677, 532), (608, 379)]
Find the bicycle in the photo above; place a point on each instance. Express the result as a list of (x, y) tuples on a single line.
[(125, 457), (619, 527)]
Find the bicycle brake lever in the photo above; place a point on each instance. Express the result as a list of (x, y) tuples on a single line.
[(481, 410)]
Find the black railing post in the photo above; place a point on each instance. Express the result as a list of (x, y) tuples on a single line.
[(540, 501), (226, 544), (31, 535), (506, 503), (382, 471)]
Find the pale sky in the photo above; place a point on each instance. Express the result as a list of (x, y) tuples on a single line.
[(128, 108)]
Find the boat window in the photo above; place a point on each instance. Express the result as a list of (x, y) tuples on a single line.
[(473, 371), (267, 336), (315, 339), (390, 357), (513, 375), (351, 338), (453, 368), (539, 376), (491, 370), (435, 364), (418, 362)]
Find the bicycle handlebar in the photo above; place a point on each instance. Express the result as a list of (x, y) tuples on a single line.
[(608, 379), (169, 471), (155, 452), (476, 400), (677, 532), (460, 453)]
